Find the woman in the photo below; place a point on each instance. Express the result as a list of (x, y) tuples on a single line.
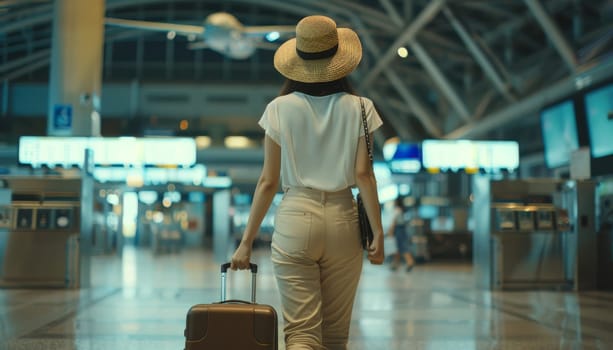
[(398, 230), (315, 140)]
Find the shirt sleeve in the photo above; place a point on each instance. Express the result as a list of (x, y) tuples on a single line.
[(270, 122), (372, 117)]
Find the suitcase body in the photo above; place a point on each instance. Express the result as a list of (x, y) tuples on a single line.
[(232, 324)]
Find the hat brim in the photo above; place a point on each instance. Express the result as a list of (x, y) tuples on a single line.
[(345, 60)]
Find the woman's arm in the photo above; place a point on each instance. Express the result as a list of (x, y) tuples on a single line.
[(366, 182), (265, 191)]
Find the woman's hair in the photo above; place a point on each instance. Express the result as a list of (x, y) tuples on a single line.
[(317, 89)]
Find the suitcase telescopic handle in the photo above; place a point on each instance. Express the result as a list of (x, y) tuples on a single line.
[(226, 266), (224, 270)]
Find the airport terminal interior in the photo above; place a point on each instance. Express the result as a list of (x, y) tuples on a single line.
[(130, 149)]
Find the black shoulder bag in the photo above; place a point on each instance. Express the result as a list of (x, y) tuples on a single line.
[(366, 234)]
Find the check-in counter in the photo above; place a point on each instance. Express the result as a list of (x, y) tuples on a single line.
[(528, 244), (534, 234), (40, 239)]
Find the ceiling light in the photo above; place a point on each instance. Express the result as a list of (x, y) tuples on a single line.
[(272, 36), (202, 142), (237, 142), (403, 52)]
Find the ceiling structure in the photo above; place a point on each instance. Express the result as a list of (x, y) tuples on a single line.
[(475, 69)]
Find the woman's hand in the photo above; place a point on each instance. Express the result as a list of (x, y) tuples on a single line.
[(375, 251), (241, 257)]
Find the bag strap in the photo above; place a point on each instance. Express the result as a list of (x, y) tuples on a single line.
[(366, 133)]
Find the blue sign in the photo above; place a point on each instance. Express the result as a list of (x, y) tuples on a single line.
[(62, 117)]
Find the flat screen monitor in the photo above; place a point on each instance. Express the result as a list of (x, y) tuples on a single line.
[(599, 114), (559, 129)]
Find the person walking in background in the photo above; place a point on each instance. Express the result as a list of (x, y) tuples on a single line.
[(397, 229), (315, 141)]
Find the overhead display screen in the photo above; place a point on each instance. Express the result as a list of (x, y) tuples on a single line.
[(195, 175), (599, 111), (456, 155), (124, 151), (403, 157), (559, 129)]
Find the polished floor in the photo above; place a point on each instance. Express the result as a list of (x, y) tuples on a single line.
[(140, 302)]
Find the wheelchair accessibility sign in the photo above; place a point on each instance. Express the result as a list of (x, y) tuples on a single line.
[(62, 117)]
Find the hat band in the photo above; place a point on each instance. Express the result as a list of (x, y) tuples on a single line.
[(317, 55)]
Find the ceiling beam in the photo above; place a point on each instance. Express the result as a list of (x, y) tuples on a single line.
[(413, 103), (32, 66), (420, 111), (530, 105), (439, 79), (12, 65), (517, 22), (405, 37), (393, 118), (391, 12), (553, 33), (485, 64), (485, 6)]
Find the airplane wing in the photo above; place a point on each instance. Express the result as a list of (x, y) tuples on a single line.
[(259, 31), (183, 29)]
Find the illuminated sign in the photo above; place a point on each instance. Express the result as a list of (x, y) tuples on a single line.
[(195, 175), (403, 157), (124, 151), (455, 155), (62, 117)]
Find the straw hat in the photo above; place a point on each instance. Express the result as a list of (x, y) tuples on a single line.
[(319, 53)]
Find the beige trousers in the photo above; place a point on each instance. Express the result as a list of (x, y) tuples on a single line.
[(317, 260)]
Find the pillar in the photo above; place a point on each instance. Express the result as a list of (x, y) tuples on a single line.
[(75, 81)]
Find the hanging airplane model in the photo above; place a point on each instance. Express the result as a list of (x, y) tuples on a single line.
[(220, 32)]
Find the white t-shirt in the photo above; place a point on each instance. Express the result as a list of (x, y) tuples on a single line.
[(318, 136)]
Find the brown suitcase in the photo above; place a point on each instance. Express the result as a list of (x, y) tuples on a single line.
[(232, 324)]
